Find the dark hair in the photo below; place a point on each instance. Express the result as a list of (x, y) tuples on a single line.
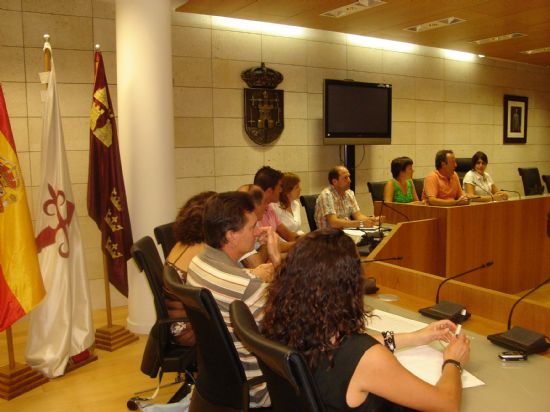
[(316, 298), (334, 173), (266, 177), (225, 212), (399, 164), (479, 156), (188, 228), (441, 157), (289, 182), (253, 190)]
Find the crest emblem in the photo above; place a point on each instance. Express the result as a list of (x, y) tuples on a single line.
[(263, 105), (9, 182)]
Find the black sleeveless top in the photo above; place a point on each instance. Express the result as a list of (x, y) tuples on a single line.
[(333, 383)]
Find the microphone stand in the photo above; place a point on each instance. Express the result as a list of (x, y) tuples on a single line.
[(370, 282), (449, 310), (485, 190), (518, 338)]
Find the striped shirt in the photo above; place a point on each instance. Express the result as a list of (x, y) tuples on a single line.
[(214, 270)]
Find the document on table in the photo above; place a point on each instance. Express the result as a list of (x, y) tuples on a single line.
[(423, 361)]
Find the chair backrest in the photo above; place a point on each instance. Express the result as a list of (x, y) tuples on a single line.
[(165, 237), (308, 202), (463, 166), (147, 258), (530, 177), (221, 379), (546, 179), (419, 186), (289, 382), (376, 190)]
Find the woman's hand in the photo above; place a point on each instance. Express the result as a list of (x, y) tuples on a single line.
[(458, 349), (440, 330)]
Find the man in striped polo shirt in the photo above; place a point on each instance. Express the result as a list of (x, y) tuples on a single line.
[(230, 231)]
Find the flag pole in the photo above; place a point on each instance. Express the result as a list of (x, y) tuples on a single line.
[(105, 264), (107, 292), (47, 55), (110, 337), (11, 355)]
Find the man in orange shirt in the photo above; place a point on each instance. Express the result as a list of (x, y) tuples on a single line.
[(442, 186)]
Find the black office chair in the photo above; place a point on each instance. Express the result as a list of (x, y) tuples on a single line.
[(161, 354), (289, 381), (221, 384), (546, 179), (419, 186), (463, 166), (530, 177), (376, 190), (164, 234), (308, 202)]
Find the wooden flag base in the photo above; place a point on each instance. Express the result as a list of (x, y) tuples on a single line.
[(111, 338), (18, 380)]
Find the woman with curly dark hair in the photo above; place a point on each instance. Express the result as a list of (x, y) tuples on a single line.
[(188, 232), (315, 305)]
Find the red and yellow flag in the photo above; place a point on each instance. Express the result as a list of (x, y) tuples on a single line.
[(106, 193), (21, 287)]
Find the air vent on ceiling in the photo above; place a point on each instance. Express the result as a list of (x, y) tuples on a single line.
[(537, 51), (352, 8), (495, 39), (436, 24)]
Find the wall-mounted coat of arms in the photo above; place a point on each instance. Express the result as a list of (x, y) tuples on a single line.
[(264, 118)]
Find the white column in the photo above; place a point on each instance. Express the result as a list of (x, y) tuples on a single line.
[(146, 130)]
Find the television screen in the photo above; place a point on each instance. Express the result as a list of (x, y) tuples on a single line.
[(357, 113)]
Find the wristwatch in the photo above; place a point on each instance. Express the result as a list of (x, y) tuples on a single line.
[(452, 362)]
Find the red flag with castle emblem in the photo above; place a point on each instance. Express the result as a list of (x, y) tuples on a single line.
[(21, 287), (61, 327), (106, 193)]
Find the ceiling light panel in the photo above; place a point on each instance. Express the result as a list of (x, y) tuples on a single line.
[(502, 37), (352, 8), (436, 24), (537, 51)]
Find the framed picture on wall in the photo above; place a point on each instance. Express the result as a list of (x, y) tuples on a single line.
[(515, 119)]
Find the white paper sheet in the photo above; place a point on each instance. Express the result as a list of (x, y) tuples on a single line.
[(423, 361)]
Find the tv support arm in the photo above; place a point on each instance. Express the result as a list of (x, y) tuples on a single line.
[(349, 162)]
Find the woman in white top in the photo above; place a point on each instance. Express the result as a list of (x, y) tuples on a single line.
[(288, 208), (477, 182)]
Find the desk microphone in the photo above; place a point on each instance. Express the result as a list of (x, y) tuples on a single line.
[(370, 282), (382, 259), (512, 191), (395, 210), (485, 190), (449, 310), (518, 338)]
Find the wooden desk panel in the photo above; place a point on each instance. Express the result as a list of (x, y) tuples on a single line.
[(512, 234)]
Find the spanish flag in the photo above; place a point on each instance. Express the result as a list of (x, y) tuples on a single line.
[(21, 287)]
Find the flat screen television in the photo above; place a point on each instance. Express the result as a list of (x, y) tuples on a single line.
[(357, 112)]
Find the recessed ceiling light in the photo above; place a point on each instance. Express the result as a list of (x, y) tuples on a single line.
[(537, 51), (352, 8), (436, 24), (495, 39)]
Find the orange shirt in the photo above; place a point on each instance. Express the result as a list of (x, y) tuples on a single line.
[(441, 187)]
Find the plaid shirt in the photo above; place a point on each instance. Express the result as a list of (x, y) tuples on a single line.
[(330, 202)]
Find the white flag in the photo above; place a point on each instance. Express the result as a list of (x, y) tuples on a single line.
[(61, 326)]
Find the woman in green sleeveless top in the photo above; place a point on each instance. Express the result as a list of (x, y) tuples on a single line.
[(401, 189)]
